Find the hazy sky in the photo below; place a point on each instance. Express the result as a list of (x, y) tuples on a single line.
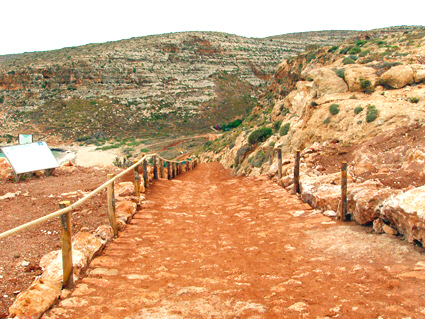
[(39, 25)]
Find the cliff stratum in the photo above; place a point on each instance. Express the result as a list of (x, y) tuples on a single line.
[(154, 85), (362, 101)]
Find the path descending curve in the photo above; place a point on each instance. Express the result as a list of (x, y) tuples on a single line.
[(210, 245)]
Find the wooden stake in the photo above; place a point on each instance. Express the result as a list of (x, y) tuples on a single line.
[(343, 191), (136, 181), (111, 205), (145, 174), (271, 153), (297, 172), (279, 163), (161, 168), (169, 170), (68, 280), (155, 168)]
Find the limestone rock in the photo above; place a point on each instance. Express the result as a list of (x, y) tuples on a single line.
[(367, 197), (398, 76), (326, 81), (39, 297), (377, 226), (406, 213), (389, 230), (104, 232), (125, 210), (124, 189), (355, 75), (87, 243)]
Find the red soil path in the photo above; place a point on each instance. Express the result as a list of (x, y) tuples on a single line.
[(210, 245)]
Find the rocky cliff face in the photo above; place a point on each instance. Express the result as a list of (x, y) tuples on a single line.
[(362, 102), (182, 81)]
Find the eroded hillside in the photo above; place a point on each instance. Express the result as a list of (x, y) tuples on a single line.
[(163, 84), (362, 102)]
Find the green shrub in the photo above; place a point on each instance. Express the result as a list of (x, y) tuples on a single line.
[(334, 109), (354, 50), (366, 86), (1, 99), (276, 126), (284, 111), (258, 159), (327, 120), (372, 113), (284, 129), (413, 99), (313, 103), (358, 109), (260, 135), (333, 49), (340, 73), (364, 53), (348, 61)]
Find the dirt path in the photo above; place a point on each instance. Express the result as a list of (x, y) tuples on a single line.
[(209, 245)]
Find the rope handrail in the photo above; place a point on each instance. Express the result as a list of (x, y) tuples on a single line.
[(58, 213)]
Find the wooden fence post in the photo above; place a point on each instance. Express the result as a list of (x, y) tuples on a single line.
[(111, 205), (68, 280), (145, 173), (169, 169), (155, 168), (161, 168), (343, 191), (279, 163), (136, 180), (271, 153), (297, 172)]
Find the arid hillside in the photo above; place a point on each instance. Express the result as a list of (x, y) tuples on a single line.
[(363, 102), (155, 85)]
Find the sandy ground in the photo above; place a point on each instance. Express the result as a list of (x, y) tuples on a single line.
[(87, 156)]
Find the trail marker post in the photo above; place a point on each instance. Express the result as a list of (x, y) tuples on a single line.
[(68, 280)]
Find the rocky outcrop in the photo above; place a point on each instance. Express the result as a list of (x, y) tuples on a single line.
[(405, 212)]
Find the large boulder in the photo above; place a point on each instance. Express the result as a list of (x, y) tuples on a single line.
[(326, 81), (368, 196), (406, 213), (398, 76), (357, 77)]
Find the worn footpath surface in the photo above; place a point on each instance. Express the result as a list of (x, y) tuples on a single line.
[(210, 245)]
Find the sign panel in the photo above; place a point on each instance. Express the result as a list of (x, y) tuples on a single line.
[(24, 138), (30, 157)]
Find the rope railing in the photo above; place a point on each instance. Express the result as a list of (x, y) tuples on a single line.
[(80, 201)]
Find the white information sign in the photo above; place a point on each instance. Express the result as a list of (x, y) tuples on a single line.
[(30, 157), (24, 138)]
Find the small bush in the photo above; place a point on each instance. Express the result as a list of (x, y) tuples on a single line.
[(348, 61), (334, 109), (284, 111), (372, 113), (327, 120), (366, 86), (340, 73), (276, 126), (333, 49), (284, 129), (413, 99), (358, 109), (354, 50), (313, 103), (260, 135)]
